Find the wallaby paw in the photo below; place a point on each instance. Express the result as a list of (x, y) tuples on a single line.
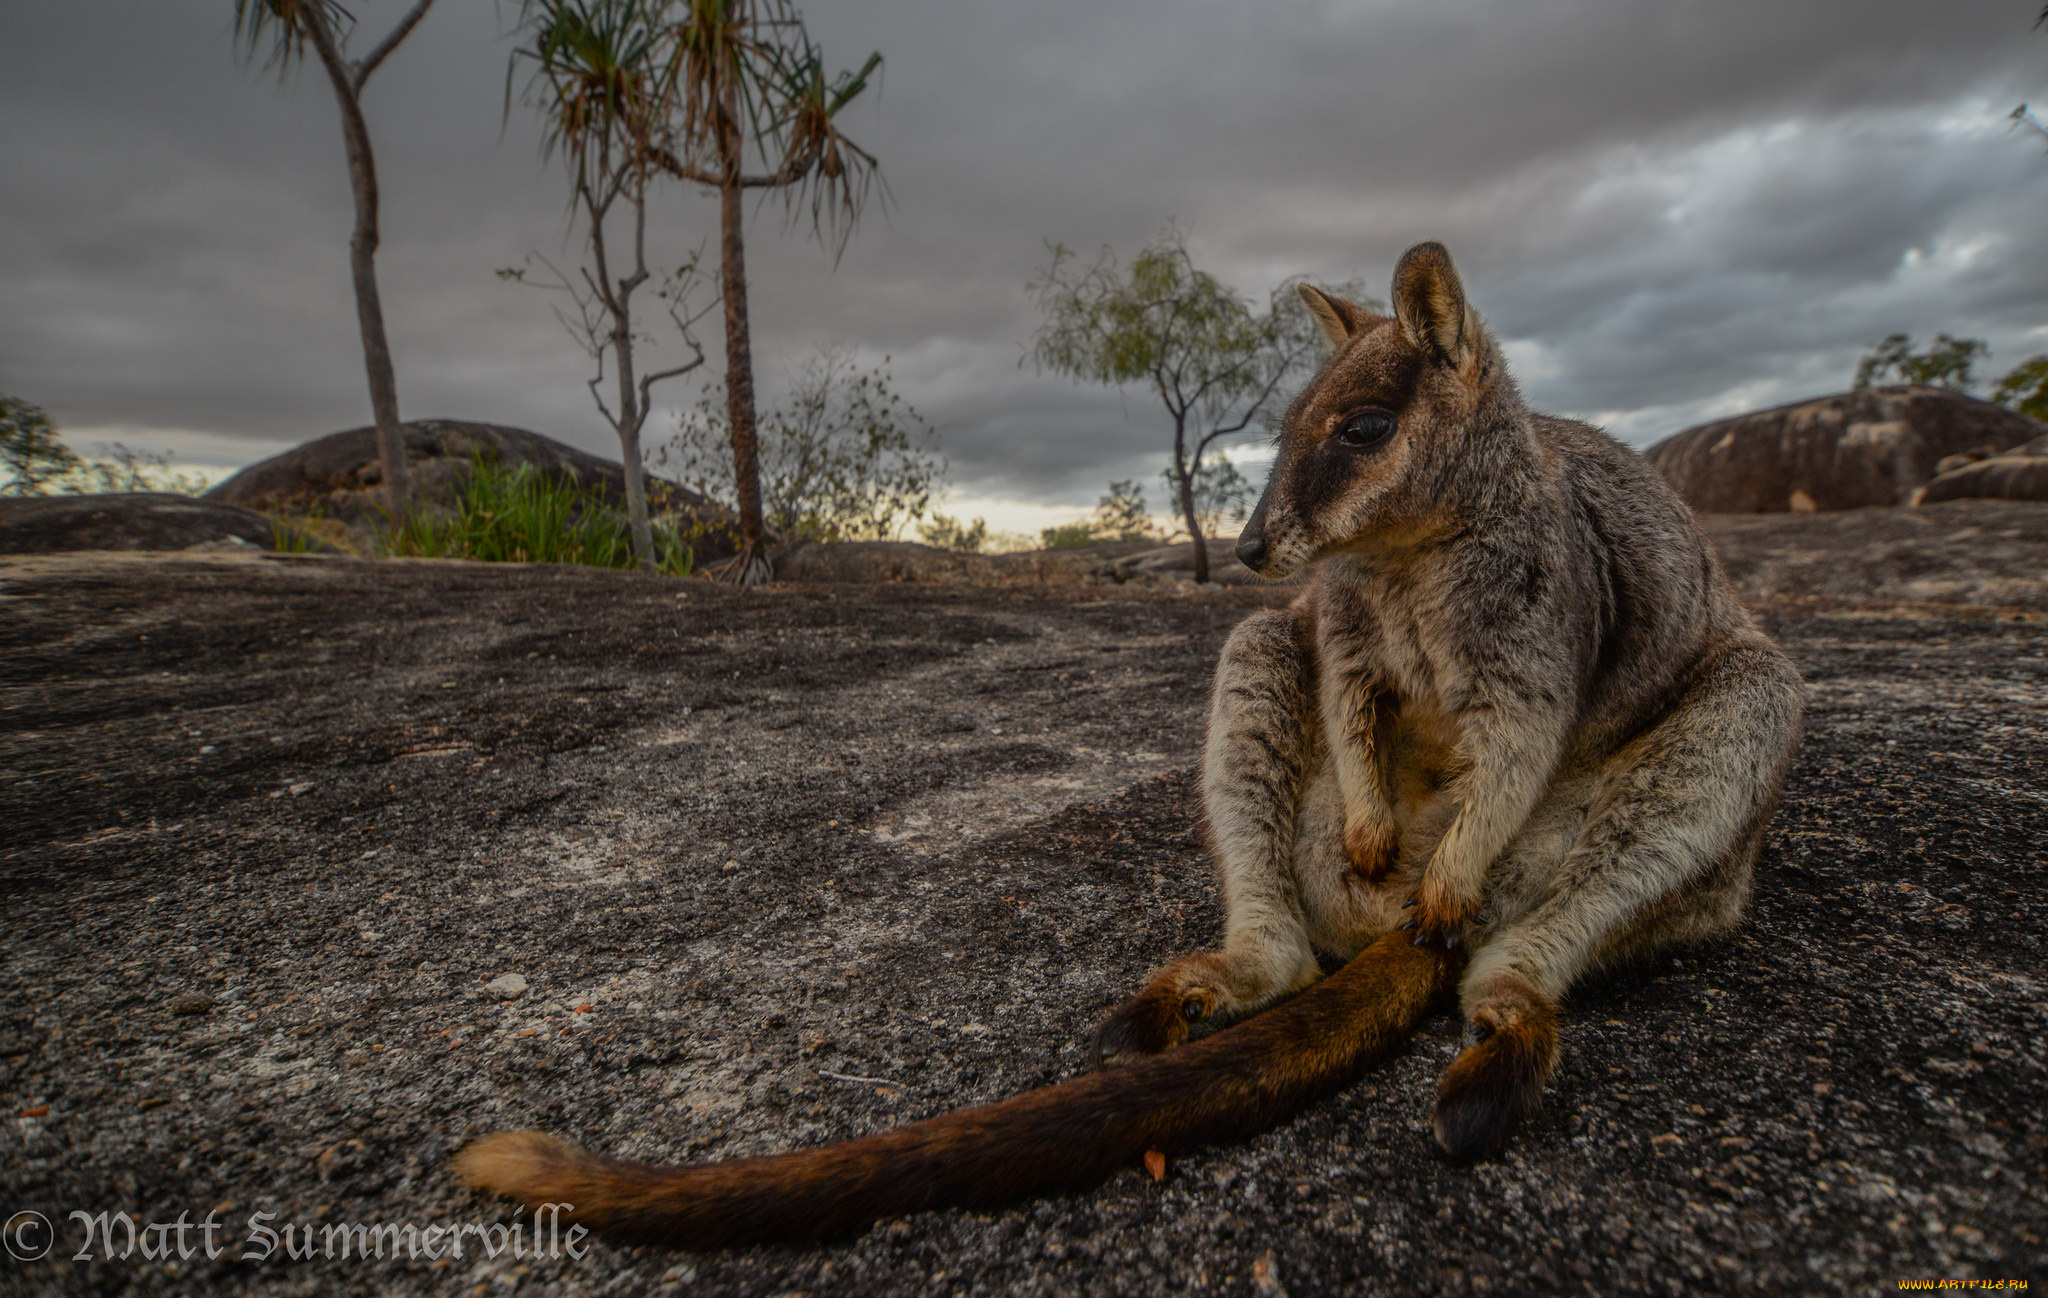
[(1372, 848), (1156, 1019), (1439, 918), (1497, 1081)]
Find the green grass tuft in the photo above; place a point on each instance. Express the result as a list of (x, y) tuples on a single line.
[(288, 534), (522, 515)]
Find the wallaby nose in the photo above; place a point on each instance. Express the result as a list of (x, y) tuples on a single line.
[(1251, 549)]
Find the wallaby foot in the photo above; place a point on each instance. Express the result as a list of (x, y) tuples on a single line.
[(1440, 913), (1193, 996), (1498, 1080), (1164, 1014)]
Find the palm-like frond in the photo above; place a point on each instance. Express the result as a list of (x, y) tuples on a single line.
[(842, 174), (724, 55), (753, 61), (600, 78), (277, 30)]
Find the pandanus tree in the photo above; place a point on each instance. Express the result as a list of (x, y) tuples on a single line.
[(756, 110), (602, 76), (282, 31)]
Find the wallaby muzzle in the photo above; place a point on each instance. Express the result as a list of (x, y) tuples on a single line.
[(1251, 543)]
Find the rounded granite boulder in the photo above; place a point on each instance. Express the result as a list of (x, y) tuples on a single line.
[(339, 475), (2018, 474), (1873, 446), (133, 520)]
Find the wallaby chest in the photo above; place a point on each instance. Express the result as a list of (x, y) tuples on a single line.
[(1386, 641), (1415, 747), (1386, 627)]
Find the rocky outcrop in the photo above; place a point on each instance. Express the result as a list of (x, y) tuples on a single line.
[(862, 562), (560, 841), (1104, 562), (335, 482), (2017, 474), (339, 475), (2002, 477), (1176, 562), (1988, 553), (1874, 446), (132, 520)]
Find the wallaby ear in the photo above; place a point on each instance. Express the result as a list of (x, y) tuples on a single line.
[(1430, 303), (1338, 319)]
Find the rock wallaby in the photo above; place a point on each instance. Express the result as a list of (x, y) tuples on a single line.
[(1516, 713)]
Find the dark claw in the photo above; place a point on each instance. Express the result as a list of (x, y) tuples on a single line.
[(1191, 1010), (1450, 941), (1483, 917), (1420, 939), (1410, 903), (1410, 924)]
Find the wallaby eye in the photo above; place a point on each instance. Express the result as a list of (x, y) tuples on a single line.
[(1366, 429)]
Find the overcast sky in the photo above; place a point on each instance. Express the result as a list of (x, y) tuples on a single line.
[(1670, 211)]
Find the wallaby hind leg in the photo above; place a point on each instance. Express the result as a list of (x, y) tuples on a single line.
[(1665, 856), (1262, 747)]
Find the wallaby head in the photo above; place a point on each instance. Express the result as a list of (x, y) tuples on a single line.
[(1405, 409)]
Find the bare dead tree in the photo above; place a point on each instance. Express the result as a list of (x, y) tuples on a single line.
[(598, 314), (599, 77)]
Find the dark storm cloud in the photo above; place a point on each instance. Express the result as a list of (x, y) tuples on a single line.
[(1669, 210)]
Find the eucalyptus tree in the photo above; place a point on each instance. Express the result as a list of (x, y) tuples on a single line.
[(1951, 362), (751, 89), (1214, 360), (1947, 363), (2025, 388), (601, 76), (32, 454), (282, 31)]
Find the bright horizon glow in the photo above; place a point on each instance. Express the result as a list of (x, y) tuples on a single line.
[(1022, 517)]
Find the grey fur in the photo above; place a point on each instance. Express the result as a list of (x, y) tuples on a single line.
[(1517, 666)]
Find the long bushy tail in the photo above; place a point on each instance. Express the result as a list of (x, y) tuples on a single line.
[(1072, 1136)]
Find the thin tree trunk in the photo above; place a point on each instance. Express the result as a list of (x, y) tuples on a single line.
[(636, 495), (631, 416), (739, 368), (631, 413), (362, 249), (750, 567), (1186, 473)]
